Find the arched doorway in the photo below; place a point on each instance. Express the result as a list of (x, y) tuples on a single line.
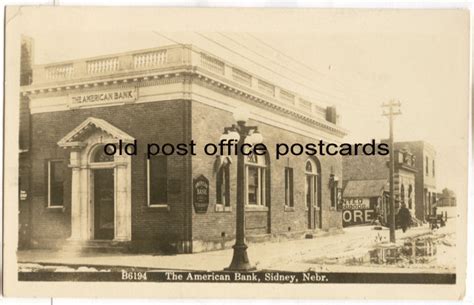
[(313, 193), (100, 184)]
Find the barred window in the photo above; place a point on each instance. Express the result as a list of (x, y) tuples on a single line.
[(312, 184), (223, 184), (255, 171), (426, 166), (289, 201)]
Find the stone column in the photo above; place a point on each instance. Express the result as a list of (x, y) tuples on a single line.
[(123, 215), (75, 165), (85, 202)]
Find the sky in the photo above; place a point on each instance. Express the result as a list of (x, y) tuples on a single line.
[(353, 60)]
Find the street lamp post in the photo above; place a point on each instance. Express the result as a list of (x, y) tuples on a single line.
[(241, 133)]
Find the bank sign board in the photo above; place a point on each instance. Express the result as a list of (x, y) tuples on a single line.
[(201, 194), (103, 97), (356, 211)]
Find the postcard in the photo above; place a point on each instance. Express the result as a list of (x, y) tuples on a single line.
[(236, 153)]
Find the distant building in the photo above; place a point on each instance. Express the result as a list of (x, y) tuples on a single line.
[(425, 177), (447, 198), (361, 200), (366, 186)]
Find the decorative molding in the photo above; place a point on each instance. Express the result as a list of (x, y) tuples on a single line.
[(187, 78), (114, 132)]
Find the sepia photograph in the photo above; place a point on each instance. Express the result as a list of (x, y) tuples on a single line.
[(295, 150)]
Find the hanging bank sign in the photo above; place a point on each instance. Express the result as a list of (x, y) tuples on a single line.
[(104, 97), (201, 194)]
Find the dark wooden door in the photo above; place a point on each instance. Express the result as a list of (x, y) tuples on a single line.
[(104, 200)]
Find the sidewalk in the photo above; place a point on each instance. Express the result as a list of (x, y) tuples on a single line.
[(295, 255)]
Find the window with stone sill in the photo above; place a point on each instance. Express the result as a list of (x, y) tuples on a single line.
[(289, 198), (339, 199), (157, 181), (255, 173), (312, 184), (55, 183), (223, 187), (410, 194), (334, 192), (426, 166)]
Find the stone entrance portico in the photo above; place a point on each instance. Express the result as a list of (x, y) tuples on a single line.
[(83, 142)]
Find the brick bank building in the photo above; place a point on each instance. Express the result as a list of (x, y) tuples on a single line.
[(74, 194)]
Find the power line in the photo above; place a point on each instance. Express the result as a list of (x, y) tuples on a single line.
[(272, 60), (182, 44), (342, 85), (352, 103), (294, 60), (271, 70), (166, 37), (301, 63)]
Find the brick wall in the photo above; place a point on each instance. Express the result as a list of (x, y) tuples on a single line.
[(161, 122), (48, 224), (364, 167), (208, 125), (170, 122)]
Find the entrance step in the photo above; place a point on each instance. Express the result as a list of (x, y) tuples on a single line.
[(96, 246)]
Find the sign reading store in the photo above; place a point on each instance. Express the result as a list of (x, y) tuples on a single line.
[(121, 96), (357, 211)]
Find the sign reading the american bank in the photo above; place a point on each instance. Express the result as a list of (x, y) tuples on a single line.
[(106, 97), (201, 194)]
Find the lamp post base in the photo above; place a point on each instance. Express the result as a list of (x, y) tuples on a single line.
[(240, 260)]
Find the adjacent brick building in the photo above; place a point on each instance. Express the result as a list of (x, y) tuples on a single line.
[(425, 178), (447, 198), (26, 74), (172, 95), (366, 188)]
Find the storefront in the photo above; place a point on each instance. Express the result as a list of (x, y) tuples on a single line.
[(367, 186), (169, 95), (364, 202)]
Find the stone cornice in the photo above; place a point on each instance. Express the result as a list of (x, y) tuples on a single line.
[(188, 74), (273, 105)]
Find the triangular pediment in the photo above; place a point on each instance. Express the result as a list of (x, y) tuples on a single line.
[(77, 136)]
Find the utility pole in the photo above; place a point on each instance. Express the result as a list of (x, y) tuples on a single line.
[(391, 109)]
